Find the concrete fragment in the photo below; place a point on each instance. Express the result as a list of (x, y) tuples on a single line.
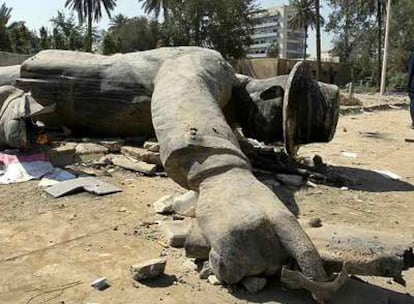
[(186, 204), (138, 166), (89, 184), (205, 271), (63, 155), (315, 222), (213, 280), (152, 146), (175, 232), (164, 204), (113, 145), (100, 284), (290, 179), (88, 152), (142, 155), (90, 148), (149, 269), (254, 284)]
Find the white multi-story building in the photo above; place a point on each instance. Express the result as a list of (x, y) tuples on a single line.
[(271, 28)]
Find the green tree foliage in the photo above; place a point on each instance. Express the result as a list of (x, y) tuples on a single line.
[(273, 51), (134, 34), (155, 6), (90, 10), (5, 15), (221, 25), (66, 34)]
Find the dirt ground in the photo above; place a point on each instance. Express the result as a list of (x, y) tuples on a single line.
[(51, 249)]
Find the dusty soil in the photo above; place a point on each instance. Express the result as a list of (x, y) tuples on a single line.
[(51, 249)]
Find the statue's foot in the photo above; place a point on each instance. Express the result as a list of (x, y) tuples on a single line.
[(248, 228)]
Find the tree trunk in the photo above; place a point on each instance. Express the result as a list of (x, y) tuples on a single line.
[(318, 40), (89, 42), (379, 22), (306, 40)]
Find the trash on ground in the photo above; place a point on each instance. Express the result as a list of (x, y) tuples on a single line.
[(56, 176), (349, 154), (22, 168), (89, 184), (100, 284)]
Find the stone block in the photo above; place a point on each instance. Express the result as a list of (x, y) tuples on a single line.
[(150, 269)]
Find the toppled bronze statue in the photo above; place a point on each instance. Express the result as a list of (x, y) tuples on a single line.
[(193, 100)]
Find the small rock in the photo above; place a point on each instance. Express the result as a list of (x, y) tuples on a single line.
[(164, 205), (212, 279), (63, 155), (254, 284), (100, 284), (113, 145), (152, 146), (315, 222), (176, 232), (148, 270)]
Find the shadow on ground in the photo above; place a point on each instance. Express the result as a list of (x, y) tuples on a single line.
[(354, 291), (366, 180)]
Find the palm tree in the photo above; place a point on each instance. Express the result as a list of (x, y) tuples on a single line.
[(5, 15), (318, 40), (91, 10), (155, 6), (117, 21), (305, 17)]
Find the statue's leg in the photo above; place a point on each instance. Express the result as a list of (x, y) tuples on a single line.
[(248, 228)]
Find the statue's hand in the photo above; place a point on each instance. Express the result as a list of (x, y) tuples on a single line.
[(247, 227)]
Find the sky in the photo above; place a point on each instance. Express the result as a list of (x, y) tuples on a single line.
[(37, 13)]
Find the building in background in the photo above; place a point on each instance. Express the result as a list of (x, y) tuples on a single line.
[(272, 31)]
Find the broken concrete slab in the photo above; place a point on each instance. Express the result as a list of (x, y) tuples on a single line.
[(62, 155), (164, 205), (254, 284), (213, 280), (184, 204), (113, 145), (152, 146), (138, 166), (88, 152), (149, 269), (142, 155), (175, 232), (89, 184)]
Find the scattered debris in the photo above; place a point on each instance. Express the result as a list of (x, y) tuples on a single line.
[(205, 271), (315, 222), (152, 146), (254, 284), (89, 184), (113, 145), (175, 232), (213, 280), (149, 269), (100, 284), (142, 155), (138, 166), (184, 204), (22, 168), (89, 151), (53, 178), (388, 174), (63, 155)]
